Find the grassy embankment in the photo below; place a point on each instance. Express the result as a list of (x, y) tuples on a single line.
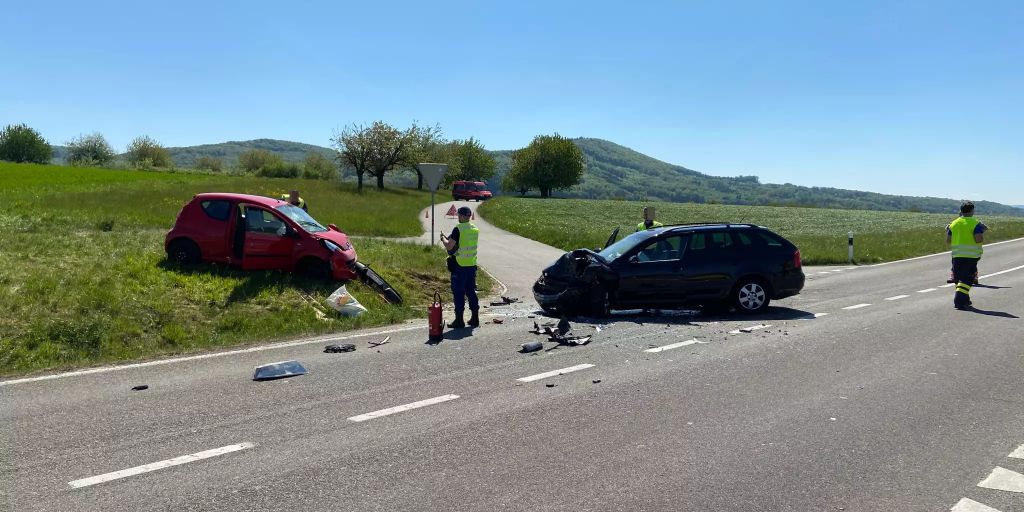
[(84, 278), (821, 234)]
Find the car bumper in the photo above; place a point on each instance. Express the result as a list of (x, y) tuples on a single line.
[(789, 286), (546, 296)]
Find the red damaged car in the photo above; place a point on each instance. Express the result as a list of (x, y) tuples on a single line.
[(260, 233)]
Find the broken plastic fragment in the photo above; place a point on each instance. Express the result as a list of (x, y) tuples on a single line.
[(140, 388), (279, 370), (381, 342), (344, 347)]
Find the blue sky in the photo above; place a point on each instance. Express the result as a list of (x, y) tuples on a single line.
[(906, 97)]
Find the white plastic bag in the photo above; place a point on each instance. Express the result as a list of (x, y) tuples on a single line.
[(343, 302)]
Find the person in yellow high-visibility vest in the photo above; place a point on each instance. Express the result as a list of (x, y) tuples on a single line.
[(649, 221), (965, 236), (294, 199), (462, 248)]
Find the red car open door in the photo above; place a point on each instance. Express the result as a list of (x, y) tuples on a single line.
[(268, 244)]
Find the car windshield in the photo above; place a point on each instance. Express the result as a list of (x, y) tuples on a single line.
[(301, 218), (614, 251), (477, 187)]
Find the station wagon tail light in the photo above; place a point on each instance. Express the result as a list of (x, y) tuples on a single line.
[(796, 259)]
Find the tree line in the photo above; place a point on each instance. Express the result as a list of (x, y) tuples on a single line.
[(549, 162)]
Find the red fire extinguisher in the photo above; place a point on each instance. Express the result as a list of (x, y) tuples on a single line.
[(435, 319)]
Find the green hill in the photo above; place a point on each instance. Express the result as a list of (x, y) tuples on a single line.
[(230, 151), (617, 172)]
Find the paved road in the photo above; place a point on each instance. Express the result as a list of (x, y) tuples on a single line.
[(843, 401)]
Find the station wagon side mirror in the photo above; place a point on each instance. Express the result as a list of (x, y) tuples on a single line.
[(333, 227), (290, 232), (634, 259)]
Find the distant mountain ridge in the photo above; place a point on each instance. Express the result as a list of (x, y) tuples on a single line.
[(617, 172)]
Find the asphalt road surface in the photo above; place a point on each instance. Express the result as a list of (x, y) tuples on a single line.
[(867, 392)]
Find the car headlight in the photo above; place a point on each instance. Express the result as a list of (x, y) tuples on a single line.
[(331, 246), (543, 279)]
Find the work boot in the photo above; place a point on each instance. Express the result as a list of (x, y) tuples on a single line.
[(458, 323), (474, 319)]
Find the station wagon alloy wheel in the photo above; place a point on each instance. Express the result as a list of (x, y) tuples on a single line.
[(752, 297)]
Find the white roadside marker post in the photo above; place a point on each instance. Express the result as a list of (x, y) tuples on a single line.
[(850, 245)]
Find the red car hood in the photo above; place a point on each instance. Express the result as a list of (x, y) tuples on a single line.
[(334, 236)]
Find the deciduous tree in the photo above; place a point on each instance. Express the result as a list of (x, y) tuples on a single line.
[(92, 149), (19, 143), (549, 163), (143, 151)]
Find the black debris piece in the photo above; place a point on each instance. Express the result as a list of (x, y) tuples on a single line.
[(279, 370), (140, 388), (564, 327), (550, 385), (344, 347), (532, 346), (505, 301), (596, 381)]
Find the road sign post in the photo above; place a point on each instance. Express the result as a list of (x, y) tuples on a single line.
[(432, 174)]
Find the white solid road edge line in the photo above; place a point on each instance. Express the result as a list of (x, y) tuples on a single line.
[(177, 461), (674, 345), (857, 306), (941, 253), (259, 348), (969, 505), (1003, 479), (898, 297), (553, 373), (403, 408), (1001, 272)]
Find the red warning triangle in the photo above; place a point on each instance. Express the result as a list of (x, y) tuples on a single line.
[(451, 212)]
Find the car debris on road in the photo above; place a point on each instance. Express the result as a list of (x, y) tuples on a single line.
[(505, 301), (279, 370), (344, 347), (379, 343)]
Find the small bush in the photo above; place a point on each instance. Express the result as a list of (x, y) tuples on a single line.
[(19, 143), (143, 152), (280, 170), (90, 150), (210, 164), (256, 159), (318, 166)]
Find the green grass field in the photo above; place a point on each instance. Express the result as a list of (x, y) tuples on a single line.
[(821, 234), (85, 279)]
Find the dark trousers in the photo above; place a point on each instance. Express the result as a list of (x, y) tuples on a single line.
[(463, 287), (964, 270)]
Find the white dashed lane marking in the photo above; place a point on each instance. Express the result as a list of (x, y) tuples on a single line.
[(898, 297), (751, 328), (819, 315), (927, 290), (857, 306), (553, 373), (674, 345), (177, 461), (403, 408), (969, 505), (1018, 453), (1003, 479)]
